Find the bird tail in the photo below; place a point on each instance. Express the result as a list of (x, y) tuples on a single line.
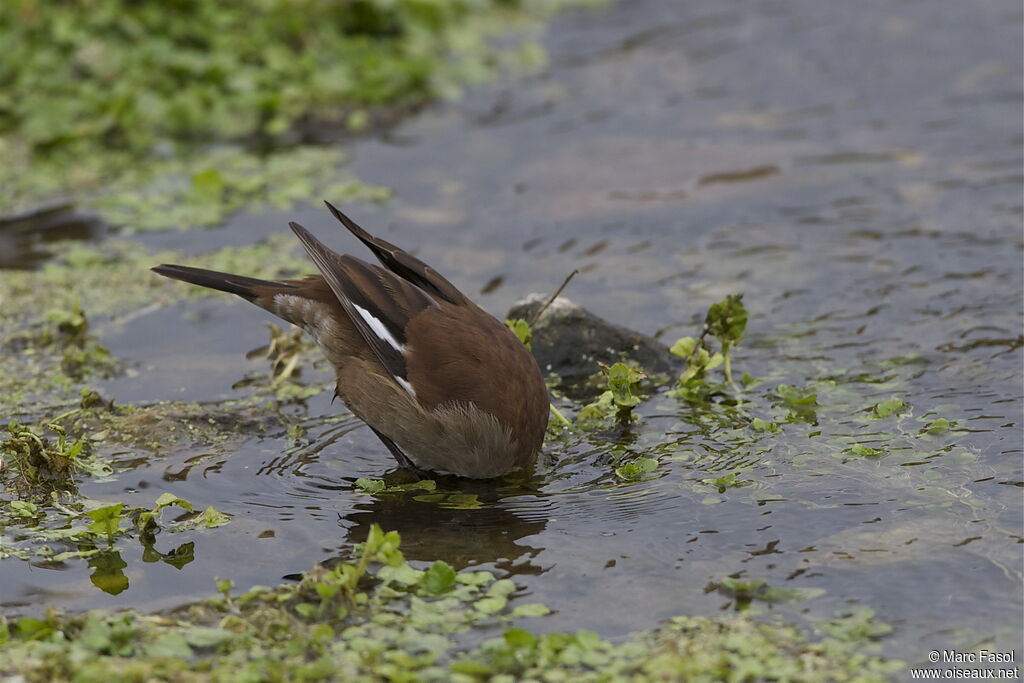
[(249, 288)]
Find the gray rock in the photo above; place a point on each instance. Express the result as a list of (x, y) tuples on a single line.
[(569, 341)]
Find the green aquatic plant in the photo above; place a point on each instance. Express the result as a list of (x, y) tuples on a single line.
[(87, 530), (866, 451), (62, 334), (522, 330), (727, 481), (378, 486), (106, 521), (158, 116), (50, 351), (634, 471), (438, 579), (621, 395), (35, 462), (801, 404), (888, 407), (725, 320), (857, 625), (375, 617), (760, 425), (745, 591), (130, 76), (938, 426), (202, 188)]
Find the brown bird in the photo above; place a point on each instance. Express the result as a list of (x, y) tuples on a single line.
[(446, 386)]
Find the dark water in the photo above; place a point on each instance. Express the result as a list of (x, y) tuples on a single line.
[(854, 168)]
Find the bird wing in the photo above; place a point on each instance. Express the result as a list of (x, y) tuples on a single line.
[(402, 263), (379, 302)]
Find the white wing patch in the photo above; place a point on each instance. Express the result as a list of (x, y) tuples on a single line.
[(378, 329), (407, 386), (314, 318)]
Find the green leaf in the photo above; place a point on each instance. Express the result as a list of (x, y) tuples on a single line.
[(635, 470), (30, 628), (727, 320), (170, 644), (370, 485), (403, 574), (208, 184), (470, 667), (23, 508), (502, 588), (75, 450), (759, 425), (200, 636), (491, 605), (151, 518), (517, 637), (522, 330), (588, 640), (211, 518), (475, 578), (535, 609), (683, 347), (727, 481), (855, 625), (306, 609), (326, 591), (374, 486), (794, 397), (591, 416), (888, 407), (938, 426), (440, 578), (622, 383), (168, 499), (866, 451), (801, 403), (106, 520), (746, 590)]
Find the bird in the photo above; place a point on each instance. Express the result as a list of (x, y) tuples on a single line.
[(443, 384)]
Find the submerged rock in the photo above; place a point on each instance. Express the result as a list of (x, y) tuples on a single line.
[(570, 341)]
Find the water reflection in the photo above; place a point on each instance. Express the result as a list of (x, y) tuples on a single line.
[(489, 534), (108, 572)]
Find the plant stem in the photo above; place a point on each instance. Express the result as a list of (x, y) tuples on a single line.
[(727, 364), (558, 416)]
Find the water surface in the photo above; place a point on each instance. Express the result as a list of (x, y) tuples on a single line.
[(854, 169)]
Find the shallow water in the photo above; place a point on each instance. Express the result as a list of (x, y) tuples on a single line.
[(854, 169)]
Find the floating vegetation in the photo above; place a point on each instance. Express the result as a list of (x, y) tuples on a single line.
[(53, 351), (32, 461), (163, 118), (375, 617)]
